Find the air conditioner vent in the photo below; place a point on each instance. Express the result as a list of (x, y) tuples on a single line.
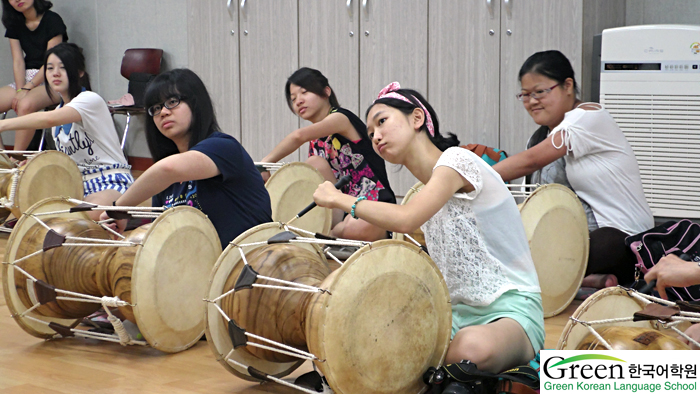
[(664, 131)]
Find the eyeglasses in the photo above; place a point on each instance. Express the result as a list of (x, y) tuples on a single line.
[(537, 94), (169, 104)]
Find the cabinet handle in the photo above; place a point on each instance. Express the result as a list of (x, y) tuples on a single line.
[(348, 5), (489, 5), (243, 9), (509, 8), (228, 7), (364, 6)]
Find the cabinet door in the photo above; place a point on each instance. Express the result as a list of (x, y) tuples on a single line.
[(464, 53), (212, 31), (528, 27), (329, 42), (268, 55), (393, 47)]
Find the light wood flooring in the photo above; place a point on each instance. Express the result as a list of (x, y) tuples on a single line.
[(32, 365)]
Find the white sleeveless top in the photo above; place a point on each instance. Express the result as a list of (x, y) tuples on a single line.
[(477, 239), (603, 171)]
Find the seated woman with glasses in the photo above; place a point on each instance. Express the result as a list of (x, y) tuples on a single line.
[(195, 163), (82, 126), (581, 146)]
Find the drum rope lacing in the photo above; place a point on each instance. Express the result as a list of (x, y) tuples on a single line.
[(10, 202), (693, 317), (291, 286), (16, 172), (522, 190), (122, 336)]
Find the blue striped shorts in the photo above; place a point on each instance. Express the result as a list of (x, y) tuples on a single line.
[(115, 176)]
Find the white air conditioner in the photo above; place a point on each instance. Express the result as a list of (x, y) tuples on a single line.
[(650, 83)]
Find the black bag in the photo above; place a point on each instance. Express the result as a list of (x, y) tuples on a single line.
[(682, 237)]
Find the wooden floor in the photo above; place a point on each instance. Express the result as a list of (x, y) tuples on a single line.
[(32, 365)]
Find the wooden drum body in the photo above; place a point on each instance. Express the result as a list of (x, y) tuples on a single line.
[(381, 320), (615, 303), (557, 232), (162, 277), (291, 189), (46, 174)]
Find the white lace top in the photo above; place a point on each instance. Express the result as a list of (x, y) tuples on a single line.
[(603, 171), (477, 239)]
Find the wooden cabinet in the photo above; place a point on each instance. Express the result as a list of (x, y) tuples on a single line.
[(464, 55), (476, 51), (212, 43)]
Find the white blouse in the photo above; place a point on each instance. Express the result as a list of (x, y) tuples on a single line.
[(603, 171), (477, 239)]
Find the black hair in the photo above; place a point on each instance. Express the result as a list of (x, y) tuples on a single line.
[(73, 61), (551, 64), (12, 18), (186, 85), (311, 80), (440, 141)]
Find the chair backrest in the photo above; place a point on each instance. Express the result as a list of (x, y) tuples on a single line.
[(141, 60)]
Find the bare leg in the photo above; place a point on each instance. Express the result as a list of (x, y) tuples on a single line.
[(105, 197), (6, 96), (493, 347), (35, 100)]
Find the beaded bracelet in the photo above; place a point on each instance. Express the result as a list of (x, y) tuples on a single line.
[(354, 205)]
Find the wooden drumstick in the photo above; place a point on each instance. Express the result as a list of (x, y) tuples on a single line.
[(341, 182)]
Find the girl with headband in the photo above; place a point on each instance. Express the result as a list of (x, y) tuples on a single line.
[(338, 146), (472, 228)]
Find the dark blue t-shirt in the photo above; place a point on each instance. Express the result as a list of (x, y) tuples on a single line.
[(235, 201)]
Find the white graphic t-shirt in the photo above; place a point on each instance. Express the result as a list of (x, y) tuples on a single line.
[(93, 141)]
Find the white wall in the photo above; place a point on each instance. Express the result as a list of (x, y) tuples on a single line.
[(105, 29)]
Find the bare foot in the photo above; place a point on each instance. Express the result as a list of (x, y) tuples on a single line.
[(599, 281)]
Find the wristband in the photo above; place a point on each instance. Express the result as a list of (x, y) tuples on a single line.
[(354, 205), (19, 90), (23, 89)]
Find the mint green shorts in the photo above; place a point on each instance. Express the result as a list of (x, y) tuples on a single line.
[(523, 307)]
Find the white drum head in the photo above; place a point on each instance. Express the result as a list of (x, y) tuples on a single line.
[(291, 189), (169, 277), (48, 174), (14, 303), (557, 231), (387, 320)]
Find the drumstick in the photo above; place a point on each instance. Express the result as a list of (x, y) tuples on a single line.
[(646, 289), (341, 182)]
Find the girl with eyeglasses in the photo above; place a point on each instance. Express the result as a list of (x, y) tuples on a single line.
[(472, 228), (31, 29), (581, 146), (82, 126), (195, 163), (338, 146)]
